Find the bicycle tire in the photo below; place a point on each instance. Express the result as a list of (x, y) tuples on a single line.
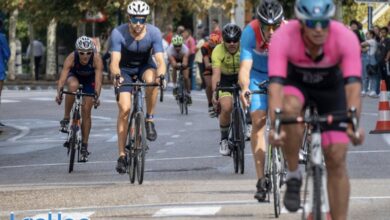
[(131, 162), (317, 174), (276, 175), (140, 145), (241, 139), (72, 148)]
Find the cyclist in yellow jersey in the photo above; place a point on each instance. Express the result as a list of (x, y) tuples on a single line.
[(226, 63)]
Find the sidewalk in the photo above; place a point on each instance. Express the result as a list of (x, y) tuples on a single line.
[(37, 85)]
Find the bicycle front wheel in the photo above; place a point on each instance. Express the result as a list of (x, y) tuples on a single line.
[(276, 179), (72, 148), (140, 145), (131, 161), (317, 184), (240, 138)]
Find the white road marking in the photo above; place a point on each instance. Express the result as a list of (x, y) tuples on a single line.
[(46, 99), (187, 211), (169, 143), (370, 114), (188, 123), (161, 151), (175, 136), (9, 101), (66, 215), (386, 137), (113, 139), (24, 131), (102, 118)]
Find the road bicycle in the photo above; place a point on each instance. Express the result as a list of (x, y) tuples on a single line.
[(181, 96), (74, 139), (236, 138), (136, 142), (316, 207), (275, 168)]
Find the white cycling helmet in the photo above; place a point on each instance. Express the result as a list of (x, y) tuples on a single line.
[(84, 43), (177, 40), (138, 7)]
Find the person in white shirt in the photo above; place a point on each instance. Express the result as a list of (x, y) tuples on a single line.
[(371, 77), (37, 51)]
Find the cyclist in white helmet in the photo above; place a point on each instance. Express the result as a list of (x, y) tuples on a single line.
[(178, 54), (82, 66), (132, 47)]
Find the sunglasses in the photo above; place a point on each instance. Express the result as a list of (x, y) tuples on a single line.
[(85, 53), (312, 24), (231, 41), (136, 20), (177, 47), (270, 27)]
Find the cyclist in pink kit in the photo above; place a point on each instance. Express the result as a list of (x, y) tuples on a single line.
[(315, 59)]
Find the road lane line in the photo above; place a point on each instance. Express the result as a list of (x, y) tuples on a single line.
[(187, 211), (157, 159), (24, 131), (66, 215)]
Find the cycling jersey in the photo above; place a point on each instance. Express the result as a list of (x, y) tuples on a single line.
[(229, 63), (178, 56), (207, 51), (136, 55), (85, 74), (320, 81)]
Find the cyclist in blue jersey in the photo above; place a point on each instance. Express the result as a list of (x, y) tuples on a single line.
[(253, 70), (83, 66), (133, 46)]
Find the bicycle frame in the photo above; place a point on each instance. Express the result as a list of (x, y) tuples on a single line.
[(181, 95)]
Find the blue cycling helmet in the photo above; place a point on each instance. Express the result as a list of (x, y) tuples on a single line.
[(314, 9)]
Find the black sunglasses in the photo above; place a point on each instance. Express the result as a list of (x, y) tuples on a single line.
[(85, 53)]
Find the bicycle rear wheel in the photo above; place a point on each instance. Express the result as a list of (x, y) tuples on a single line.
[(131, 162), (317, 184), (72, 148), (276, 179), (140, 145)]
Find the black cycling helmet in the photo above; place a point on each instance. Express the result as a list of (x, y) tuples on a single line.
[(231, 32), (270, 12)]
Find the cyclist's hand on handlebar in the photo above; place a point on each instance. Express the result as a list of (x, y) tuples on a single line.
[(161, 81), (275, 139), (245, 97), (118, 79), (58, 99), (357, 138)]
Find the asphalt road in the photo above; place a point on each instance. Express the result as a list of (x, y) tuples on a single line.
[(185, 177)]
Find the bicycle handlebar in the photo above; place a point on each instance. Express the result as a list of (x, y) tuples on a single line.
[(79, 93), (141, 84), (323, 119)]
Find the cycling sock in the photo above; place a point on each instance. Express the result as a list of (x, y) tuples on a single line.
[(149, 117), (224, 132), (210, 104), (294, 174)]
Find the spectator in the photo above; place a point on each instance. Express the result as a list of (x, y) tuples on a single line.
[(38, 52), (216, 28), (180, 30), (198, 56), (370, 78), (382, 55), (356, 27), (191, 45), (169, 34), (4, 56)]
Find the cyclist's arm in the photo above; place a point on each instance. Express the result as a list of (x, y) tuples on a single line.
[(172, 61), (216, 60), (160, 63), (68, 64), (243, 75), (98, 63), (185, 60), (114, 65)]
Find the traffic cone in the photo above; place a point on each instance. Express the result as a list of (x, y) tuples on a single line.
[(383, 123)]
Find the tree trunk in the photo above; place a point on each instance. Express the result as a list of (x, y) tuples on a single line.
[(51, 50), (31, 55), (339, 10), (12, 43)]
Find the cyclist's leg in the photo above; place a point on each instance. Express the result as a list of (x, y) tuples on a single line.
[(149, 76), (187, 81), (209, 92), (174, 76), (335, 144), (338, 181), (292, 106), (73, 85), (226, 102), (124, 106)]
